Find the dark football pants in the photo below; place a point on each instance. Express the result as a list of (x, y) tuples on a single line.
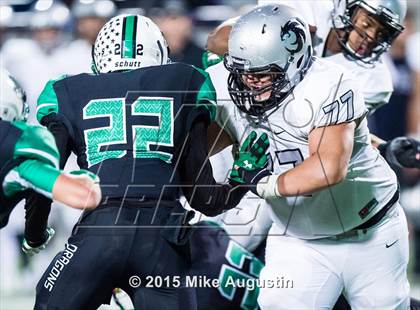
[(107, 247)]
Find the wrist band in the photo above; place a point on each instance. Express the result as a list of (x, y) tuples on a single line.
[(267, 187)]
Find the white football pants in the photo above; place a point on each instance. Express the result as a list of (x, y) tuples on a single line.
[(370, 268)]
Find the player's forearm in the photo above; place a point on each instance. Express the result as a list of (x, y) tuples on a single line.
[(217, 41), (314, 174), (218, 139), (376, 141), (215, 199), (203, 193)]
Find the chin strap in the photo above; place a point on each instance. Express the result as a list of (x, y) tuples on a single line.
[(93, 66)]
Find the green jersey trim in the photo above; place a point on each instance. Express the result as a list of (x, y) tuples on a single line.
[(206, 96), (47, 101)]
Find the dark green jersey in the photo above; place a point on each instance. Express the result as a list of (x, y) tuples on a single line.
[(130, 127)]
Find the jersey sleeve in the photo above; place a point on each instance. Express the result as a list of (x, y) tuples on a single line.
[(31, 174), (36, 143), (376, 84), (47, 101), (225, 107), (205, 99), (344, 104), (48, 114)]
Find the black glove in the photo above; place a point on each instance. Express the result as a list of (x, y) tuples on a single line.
[(251, 162), (402, 152)]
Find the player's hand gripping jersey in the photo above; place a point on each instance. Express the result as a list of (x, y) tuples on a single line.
[(369, 183), (28, 160)]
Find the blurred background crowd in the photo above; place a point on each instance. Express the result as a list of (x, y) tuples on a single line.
[(41, 40)]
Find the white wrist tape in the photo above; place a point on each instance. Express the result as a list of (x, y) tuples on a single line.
[(267, 187)]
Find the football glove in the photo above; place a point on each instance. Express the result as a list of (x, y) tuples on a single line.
[(251, 162), (209, 59), (402, 152), (32, 250)]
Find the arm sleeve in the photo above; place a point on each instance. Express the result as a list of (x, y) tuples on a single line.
[(37, 210), (59, 130), (48, 115), (206, 94), (198, 184), (38, 206), (36, 175)]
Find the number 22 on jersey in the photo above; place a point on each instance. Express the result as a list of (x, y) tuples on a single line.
[(98, 140)]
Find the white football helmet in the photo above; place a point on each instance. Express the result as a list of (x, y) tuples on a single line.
[(128, 42), (271, 39), (13, 106)]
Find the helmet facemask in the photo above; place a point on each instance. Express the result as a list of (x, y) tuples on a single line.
[(346, 23), (246, 98)]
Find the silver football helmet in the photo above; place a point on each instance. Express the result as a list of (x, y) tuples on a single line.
[(13, 106), (269, 40), (128, 42), (390, 13)]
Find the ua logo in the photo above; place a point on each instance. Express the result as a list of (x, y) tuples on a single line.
[(293, 34)]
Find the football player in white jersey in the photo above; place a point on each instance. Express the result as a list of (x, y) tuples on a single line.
[(353, 33), (332, 198)]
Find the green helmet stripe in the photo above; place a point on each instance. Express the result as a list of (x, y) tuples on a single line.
[(129, 37)]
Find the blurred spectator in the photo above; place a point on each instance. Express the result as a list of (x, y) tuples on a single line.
[(89, 18), (31, 60), (410, 197), (177, 26), (390, 121), (413, 59)]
